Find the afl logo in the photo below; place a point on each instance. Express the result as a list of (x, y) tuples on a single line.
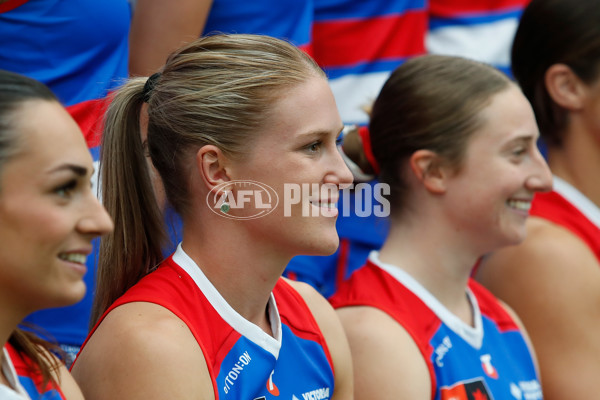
[(242, 199)]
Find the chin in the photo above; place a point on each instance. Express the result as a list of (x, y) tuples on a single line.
[(327, 246), (69, 296)]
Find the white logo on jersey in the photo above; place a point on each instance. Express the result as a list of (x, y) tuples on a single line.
[(235, 371), (515, 391), (488, 368), (441, 351), (531, 390), (318, 394)]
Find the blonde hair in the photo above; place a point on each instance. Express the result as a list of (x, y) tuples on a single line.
[(216, 90)]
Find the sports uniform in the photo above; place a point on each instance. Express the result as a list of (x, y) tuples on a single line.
[(488, 361), (243, 361), (26, 384), (568, 207), (480, 30), (359, 43), (284, 19), (78, 49)]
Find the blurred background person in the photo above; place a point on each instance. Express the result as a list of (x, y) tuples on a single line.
[(160, 27)]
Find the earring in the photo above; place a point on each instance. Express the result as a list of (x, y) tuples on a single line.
[(224, 205)]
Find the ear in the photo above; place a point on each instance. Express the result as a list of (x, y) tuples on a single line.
[(212, 165), (565, 87), (428, 168)]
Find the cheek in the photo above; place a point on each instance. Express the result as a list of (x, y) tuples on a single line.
[(43, 227)]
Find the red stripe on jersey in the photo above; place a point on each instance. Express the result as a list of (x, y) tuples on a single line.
[(11, 5), (350, 42), (89, 115), (452, 8)]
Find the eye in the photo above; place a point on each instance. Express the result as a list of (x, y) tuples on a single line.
[(519, 151), (67, 189), (314, 147)]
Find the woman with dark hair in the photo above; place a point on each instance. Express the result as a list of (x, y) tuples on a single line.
[(552, 279), (48, 218), (455, 141)]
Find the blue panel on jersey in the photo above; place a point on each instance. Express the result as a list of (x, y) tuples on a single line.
[(250, 372), (339, 10)]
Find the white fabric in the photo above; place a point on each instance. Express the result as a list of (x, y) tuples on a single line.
[(471, 334), (246, 328), (15, 391)]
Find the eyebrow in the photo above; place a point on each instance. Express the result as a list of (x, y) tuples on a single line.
[(322, 133), (77, 169)]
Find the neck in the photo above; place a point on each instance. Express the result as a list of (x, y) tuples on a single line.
[(242, 269), (573, 161), (443, 267), (12, 314)]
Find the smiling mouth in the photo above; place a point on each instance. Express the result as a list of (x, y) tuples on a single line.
[(324, 205), (73, 257), (521, 205)]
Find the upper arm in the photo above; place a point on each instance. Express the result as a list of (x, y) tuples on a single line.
[(552, 281), (142, 351), (159, 27), (334, 336), (68, 385), (387, 362)]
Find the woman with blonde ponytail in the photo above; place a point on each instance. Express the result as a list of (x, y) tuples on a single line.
[(228, 115)]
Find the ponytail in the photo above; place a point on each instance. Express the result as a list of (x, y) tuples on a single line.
[(135, 246)]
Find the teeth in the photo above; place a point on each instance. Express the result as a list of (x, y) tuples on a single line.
[(73, 257), (325, 205), (520, 204)]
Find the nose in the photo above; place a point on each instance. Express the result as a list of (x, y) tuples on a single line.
[(95, 221), (340, 174), (540, 179)]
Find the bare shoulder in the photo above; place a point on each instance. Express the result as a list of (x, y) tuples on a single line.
[(549, 252), (552, 280), (334, 336), (387, 362), (142, 351)]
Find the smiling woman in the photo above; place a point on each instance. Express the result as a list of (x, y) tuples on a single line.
[(456, 142), (215, 319), (48, 217)]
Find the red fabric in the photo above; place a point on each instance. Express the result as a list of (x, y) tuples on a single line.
[(555, 208), (11, 5), (350, 42), (89, 115), (452, 8)]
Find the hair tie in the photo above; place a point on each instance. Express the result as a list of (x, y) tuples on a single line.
[(149, 86), (363, 132)]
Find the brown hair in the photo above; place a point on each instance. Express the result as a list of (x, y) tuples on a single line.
[(555, 32), (216, 90), (15, 92), (430, 102)]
